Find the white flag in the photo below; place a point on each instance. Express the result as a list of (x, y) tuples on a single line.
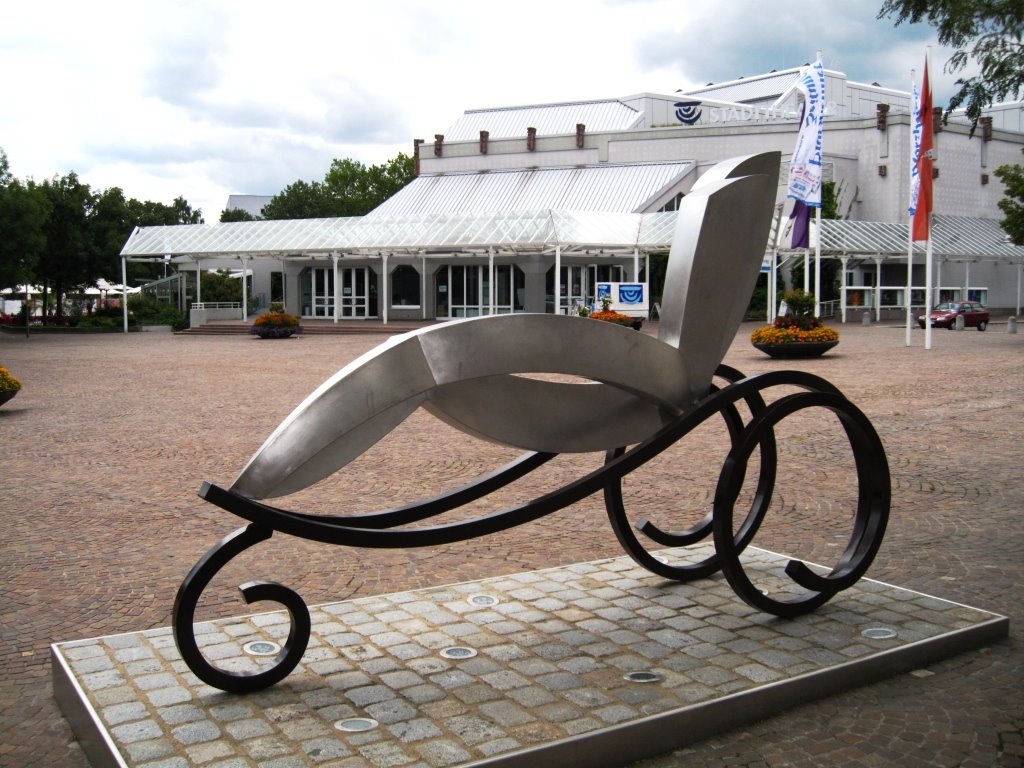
[(915, 149), (805, 167)]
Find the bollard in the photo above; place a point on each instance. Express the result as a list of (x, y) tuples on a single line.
[(865, 318), (959, 325), (1011, 324)]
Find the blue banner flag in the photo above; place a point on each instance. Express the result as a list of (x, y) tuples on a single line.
[(805, 167)]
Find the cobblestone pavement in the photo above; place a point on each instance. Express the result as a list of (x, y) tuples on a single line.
[(104, 449)]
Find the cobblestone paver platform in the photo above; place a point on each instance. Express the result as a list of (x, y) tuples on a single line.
[(526, 669)]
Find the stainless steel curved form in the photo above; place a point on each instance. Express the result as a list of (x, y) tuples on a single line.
[(632, 390)]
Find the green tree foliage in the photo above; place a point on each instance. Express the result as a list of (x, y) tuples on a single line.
[(1013, 204), (299, 200), (989, 32), (69, 256), (218, 286), (236, 214), (24, 210), (61, 234), (349, 188)]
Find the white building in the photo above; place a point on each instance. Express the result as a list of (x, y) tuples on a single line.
[(635, 155)]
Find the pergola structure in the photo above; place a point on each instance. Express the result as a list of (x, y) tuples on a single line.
[(546, 232), (954, 239)]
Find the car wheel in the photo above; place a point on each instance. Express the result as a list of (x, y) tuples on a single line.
[(983, 325)]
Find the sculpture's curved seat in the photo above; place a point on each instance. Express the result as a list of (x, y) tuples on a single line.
[(640, 391)]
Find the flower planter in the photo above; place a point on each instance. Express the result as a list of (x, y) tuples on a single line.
[(272, 332), (797, 349), (5, 396)]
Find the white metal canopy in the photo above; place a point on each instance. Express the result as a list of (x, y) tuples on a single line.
[(438, 234), (954, 238)]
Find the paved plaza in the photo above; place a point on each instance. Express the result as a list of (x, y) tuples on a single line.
[(104, 449)]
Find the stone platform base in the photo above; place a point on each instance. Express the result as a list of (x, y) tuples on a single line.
[(531, 669)]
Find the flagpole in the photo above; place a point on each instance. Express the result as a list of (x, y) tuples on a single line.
[(928, 292), (910, 270), (817, 234), (928, 212), (910, 220), (817, 262)]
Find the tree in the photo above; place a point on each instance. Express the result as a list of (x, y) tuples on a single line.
[(218, 286), (299, 200), (987, 31), (236, 214), (184, 214), (1013, 204), (349, 188), (68, 257), (24, 210)]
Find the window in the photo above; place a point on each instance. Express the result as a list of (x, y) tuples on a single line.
[(405, 286)]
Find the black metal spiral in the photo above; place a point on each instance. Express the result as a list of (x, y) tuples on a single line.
[(380, 530), (188, 597)]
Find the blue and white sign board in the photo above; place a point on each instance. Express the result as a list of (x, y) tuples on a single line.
[(628, 298)]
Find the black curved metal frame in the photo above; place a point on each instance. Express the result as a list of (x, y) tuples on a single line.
[(382, 529)]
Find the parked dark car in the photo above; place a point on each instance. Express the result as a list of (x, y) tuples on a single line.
[(945, 314)]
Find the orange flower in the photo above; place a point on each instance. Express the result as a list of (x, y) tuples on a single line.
[(276, 320), (771, 334), (7, 382), (612, 317)]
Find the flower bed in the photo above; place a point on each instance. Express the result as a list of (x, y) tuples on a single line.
[(275, 325), (610, 316), (9, 386), (790, 334), (799, 334)]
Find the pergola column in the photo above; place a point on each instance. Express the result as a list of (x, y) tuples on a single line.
[(490, 279), (384, 288), (878, 288), (124, 295), (842, 290), (245, 289), (558, 278), (334, 282)]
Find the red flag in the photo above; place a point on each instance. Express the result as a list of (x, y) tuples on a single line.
[(924, 161)]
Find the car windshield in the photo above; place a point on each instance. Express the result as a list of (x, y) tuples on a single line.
[(946, 306)]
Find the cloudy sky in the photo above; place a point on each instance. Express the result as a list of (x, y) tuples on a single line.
[(206, 99)]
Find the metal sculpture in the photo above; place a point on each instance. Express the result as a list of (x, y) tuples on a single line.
[(642, 392)]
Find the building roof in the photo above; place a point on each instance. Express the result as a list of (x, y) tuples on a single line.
[(538, 231), (631, 188), (954, 238), (548, 119)]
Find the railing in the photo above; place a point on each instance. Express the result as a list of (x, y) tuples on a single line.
[(216, 305)]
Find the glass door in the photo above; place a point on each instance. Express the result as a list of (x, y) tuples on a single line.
[(509, 289), (322, 293), (354, 292), (462, 291)]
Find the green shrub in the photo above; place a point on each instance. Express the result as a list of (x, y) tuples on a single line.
[(149, 311), (100, 321)]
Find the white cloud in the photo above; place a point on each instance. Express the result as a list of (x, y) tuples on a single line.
[(204, 99)]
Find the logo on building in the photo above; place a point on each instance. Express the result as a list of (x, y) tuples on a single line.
[(688, 112)]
